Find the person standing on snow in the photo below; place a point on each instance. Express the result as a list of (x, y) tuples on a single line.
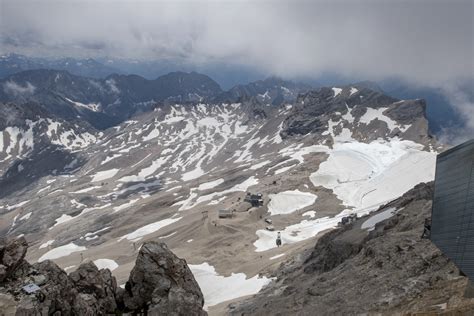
[(278, 240)]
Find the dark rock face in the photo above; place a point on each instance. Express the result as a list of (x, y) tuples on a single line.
[(95, 284), (272, 90), (314, 110), (11, 257), (162, 284), (407, 111), (44, 156), (330, 252), (57, 292), (16, 115)]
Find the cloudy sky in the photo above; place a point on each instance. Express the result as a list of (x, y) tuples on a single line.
[(424, 41)]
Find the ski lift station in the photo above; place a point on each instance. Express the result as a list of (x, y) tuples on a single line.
[(255, 199)]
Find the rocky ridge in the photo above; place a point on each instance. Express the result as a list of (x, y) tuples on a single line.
[(384, 269), (160, 283), (102, 102)]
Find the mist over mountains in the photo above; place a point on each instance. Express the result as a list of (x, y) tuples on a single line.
[(447, 121)]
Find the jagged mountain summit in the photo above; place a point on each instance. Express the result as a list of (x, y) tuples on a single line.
[(165, 174), (102, 102), (272, 90)]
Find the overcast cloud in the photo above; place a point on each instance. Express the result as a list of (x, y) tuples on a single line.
[(426, 42)]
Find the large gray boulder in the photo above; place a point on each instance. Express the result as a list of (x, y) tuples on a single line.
[(98, 285), (162, 284), (12, 254)]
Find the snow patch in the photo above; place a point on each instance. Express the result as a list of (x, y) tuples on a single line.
[(217, 289), (46, 244), (106, 264), (289, 201), (104, 175), (210, 185), (336, 91), (149, 229), (298, 232), (61, 251)]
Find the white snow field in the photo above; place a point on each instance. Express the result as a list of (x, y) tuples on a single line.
[(61, 251), (148, 229), (104, 175), (217, 288), (106, 264), (146, 172), (295, 233), (289, 201), (364, 176), (95, 107), (353, 90), (372, 114), (336, 91)]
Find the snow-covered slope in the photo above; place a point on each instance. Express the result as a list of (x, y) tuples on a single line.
[(165, 174), (33, 144)]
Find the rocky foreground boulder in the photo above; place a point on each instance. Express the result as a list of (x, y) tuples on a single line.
[(160, 284)]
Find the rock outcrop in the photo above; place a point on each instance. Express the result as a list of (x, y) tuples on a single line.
[(316, 110), (95, 284), (160, 284), (11, 257)]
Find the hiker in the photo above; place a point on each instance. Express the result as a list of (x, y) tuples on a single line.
[(278, 240)]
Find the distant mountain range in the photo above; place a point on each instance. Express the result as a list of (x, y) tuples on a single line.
[(440, 111), (14, 63), (109, 101), (75, 192)]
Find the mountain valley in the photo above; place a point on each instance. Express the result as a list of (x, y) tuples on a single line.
[(79, 193)]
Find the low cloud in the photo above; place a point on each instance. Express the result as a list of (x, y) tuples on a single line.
[(15, 89), (112, 86), (463, 102), (429, 42)]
